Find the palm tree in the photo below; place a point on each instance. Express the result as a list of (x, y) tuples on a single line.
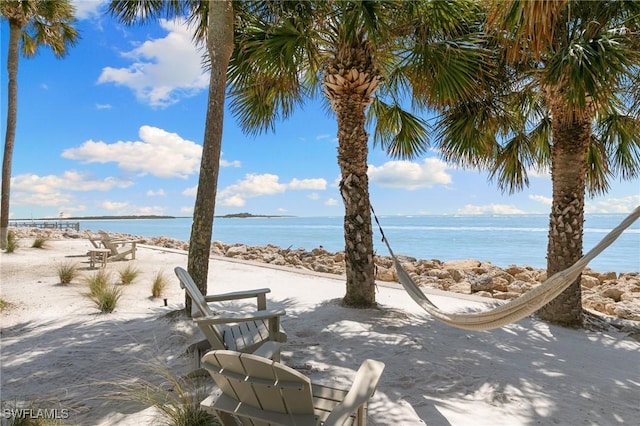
[(35, 23), (561, 100), (363, 55), (213, 23)]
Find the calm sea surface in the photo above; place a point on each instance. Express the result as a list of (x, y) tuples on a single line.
[(503, 240)]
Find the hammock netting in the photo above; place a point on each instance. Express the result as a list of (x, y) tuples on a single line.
[(515, 309)]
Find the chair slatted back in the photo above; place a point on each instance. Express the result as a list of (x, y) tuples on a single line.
[(213, 333), (261, 383)]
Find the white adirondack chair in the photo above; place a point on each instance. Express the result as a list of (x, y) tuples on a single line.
[(256, 331), (120, 248), (257, 391)]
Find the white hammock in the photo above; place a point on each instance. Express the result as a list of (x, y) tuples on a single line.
[(515, 309)]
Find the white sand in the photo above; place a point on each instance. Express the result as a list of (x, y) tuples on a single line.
[(57, 349)]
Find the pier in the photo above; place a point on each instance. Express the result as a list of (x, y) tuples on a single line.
[(45, 224)]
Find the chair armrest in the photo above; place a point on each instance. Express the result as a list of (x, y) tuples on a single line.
[(258, 293), (363, 386), (240, 317), (269, 350)]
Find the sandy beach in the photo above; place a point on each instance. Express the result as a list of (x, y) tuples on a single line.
[(59, 352)]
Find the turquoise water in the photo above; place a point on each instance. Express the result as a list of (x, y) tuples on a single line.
[(503, 240)]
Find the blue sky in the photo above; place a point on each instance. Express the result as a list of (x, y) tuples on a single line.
[(115, 128)]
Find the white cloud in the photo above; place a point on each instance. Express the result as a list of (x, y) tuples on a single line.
[(409, 175), (158, 153), (88, 8), (69, 181), (186, 210), (191, 192), (57, 190), (126, 208), (233, 201), (159, 193), (313, 196), (113, 206), (331, 202), (164, 70), (543, 173), (613, 205), (489, 209), (103, 106), (234, 163), (319, 184), (541, 199), (256, 185)]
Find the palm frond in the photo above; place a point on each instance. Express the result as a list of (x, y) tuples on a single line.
[(402, 134), (620, 134), (463, 137), (271, 72), (598, 172)]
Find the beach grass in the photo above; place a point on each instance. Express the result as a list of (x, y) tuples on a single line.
[(128, 274), (177, 398), (67, 272), (102, 292), (12, 242), (107, 300), (39, 242), (159, 284)]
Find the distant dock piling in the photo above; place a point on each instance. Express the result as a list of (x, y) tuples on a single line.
[(45, 224)]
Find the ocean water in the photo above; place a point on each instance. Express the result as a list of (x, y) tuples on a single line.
[(503, 240)]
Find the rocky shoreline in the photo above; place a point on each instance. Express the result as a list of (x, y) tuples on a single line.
[(607, 293)]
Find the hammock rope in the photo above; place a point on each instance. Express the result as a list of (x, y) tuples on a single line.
[(515, 309)]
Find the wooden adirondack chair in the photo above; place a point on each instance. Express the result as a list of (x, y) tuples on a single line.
[(95, 240), (257, 391), (242, 332), (120, 248)]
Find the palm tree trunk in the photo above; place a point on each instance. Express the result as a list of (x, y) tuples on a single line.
[(568, 173), (354, 187), (220, 48), (10, 135)]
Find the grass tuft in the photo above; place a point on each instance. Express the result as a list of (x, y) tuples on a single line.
[(128, 274), (39, 242), (4, 305), (102, 292), (159, 284), (12, 242), (176, 398), (67, 272), (107, 300)]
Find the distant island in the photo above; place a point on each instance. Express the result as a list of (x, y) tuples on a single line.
[(246, 215), (131, 217), (67, 218)]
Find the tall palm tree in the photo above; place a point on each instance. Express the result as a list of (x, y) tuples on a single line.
[(213, 23), (35, 23), (562, 101), (363, 55)]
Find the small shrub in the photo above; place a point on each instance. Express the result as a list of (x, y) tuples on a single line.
[(12, 242), (39, 242), (98, 282), (4, 304), (67, 272), (107, 300), (129, 274), (176, 398), (159, 284)]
